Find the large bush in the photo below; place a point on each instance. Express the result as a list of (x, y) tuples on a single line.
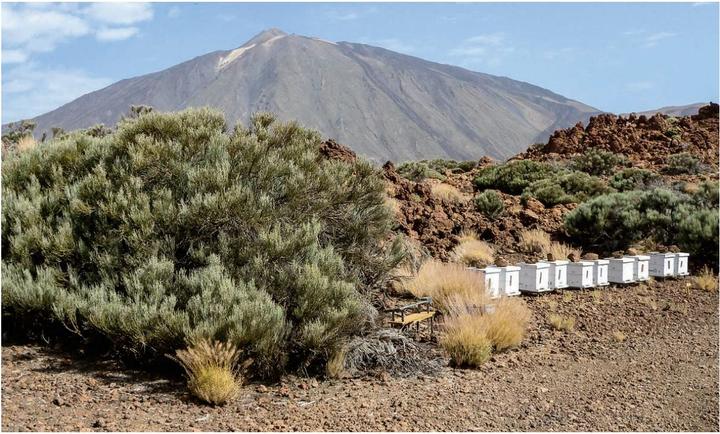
[(513, 177), (171, 229), (565, 187), (597, 162), (633, 178), (683, 163), (617, 220)]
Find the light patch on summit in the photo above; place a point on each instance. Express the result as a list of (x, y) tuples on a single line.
[(234, 54), (323, 40), (273, 39)]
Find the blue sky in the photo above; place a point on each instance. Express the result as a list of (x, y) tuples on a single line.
[(613, 56)]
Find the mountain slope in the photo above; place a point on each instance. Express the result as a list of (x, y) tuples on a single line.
[(675, 110), (383, 104)]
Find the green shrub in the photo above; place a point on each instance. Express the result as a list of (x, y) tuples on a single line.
[(490, 203), (170, 230), (616, 220), (419, 170), (512, 177), (597, 162), (633, 178), (565, 187), (683, 163)]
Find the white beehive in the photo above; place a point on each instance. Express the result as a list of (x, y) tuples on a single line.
[(580, 274), (534, 278), (620, 270), (662, 264), (558, 274), (510, 280), (681, 264), (600, 272), (491, 279), (641, 267)]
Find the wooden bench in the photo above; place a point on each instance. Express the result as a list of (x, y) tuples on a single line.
[(414, 313)]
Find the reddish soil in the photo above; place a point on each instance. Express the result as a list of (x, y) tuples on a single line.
[(662, 376)]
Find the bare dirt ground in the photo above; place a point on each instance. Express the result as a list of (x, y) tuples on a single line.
[(662, 376)]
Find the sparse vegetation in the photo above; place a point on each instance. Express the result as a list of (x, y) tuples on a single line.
[(170, 230), (534, 241), (447, 193), (435, 169), (561, 251), (512, 177), (560, 322), (212, 371), (490, 203), (706, 280), (449, 284), (565, 187)]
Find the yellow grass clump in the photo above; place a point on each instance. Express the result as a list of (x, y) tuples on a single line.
[(559, 322), (706, 280), (447, 193), (560, 251), (450, 285), (335, 367), (619, 336), (534, 241), (473, 252), (26, 143), (506, 326), (211, 370), (466, 341)]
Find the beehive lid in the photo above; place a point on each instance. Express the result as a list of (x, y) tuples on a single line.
[(535, 265), (639, 257), (511, 268), (490, 270), (623, 259), (683, 254), (601, 261), (560, 262), (581, 264), (665, 255)]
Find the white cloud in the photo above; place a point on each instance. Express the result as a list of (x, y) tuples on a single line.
[(653, 39), (116, 34), (393, 44), (29, 28), (487, 49), (119, 13), (14, 56), (639, 86), (36, 90)]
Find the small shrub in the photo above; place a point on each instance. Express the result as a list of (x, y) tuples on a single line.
[(211, 370), (447, 193), (474, 252), (506, 326), (633, 178), (490, 203), (597, 162), (465, 340), (418, 170), (534, 241), (682, 163), (706, 280), (559, 322)]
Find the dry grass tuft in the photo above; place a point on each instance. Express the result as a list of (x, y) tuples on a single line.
[(468, 235), (473, 252), (567, 297), (447, 193), (26, 143), (619, 336), (393, 205), (561, 251), (466, 341), (534, 241), (706, 280), (506, 326), (211, 370), (451, 286), (559, 322), (335, 367)]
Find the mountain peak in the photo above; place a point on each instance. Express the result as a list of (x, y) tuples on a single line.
[(265, 36)]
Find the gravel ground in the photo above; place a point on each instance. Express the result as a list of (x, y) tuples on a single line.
[(662, 376)]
